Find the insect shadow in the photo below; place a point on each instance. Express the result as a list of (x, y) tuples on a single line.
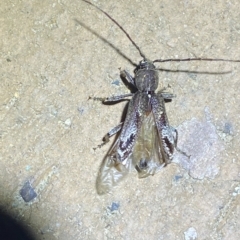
[(135, 64), (144, 138)]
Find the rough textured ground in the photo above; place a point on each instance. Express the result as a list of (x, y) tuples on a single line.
[(53, 57)]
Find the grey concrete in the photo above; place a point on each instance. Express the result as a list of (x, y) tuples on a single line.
[(51, 64)]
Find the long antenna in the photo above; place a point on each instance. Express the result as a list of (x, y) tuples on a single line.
[(142, 55), (195, 59)]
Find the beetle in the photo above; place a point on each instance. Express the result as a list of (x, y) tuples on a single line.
[(145, 141)]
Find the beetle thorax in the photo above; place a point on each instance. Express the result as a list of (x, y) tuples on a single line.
[(146, 76)]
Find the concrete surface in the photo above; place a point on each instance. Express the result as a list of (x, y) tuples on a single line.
[(52, 61)]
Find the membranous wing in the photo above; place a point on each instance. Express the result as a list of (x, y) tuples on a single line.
[(111, 171), (147, 156), (118, 160)]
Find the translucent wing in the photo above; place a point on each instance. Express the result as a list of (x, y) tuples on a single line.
[(147, 154), (112, 171)]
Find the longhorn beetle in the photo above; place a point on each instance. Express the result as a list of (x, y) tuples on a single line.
[(146, 140)]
